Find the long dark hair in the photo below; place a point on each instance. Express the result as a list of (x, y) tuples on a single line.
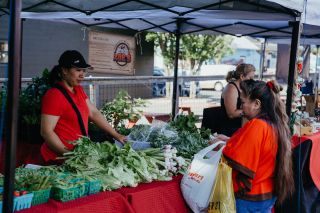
[(55, 74), (241, 69), (273, 111)]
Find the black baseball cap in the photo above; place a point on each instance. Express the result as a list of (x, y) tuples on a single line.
[(73, 58)]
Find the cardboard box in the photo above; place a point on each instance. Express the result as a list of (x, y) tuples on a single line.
[(310, 104), (302, 130)]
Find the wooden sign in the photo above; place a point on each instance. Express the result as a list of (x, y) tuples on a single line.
[(111, 53)]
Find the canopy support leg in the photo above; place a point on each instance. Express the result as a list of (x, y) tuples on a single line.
[(14, 76), (175, 95), (292, 64)]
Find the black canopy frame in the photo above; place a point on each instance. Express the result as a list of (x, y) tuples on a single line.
[(181, 20)]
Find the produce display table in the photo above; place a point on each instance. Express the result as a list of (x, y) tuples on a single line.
[(155, 197), (101, 202), (314, 155), (306, 197)]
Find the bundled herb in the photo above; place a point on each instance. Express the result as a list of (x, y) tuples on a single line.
[(32, 180)]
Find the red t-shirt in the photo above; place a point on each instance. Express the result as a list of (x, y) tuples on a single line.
[(251, 152), (67, 127)]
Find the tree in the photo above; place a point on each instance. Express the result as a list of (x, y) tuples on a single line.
[(166, 42), (199, 48), (196, 49)]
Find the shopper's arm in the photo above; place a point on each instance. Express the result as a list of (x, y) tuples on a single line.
[(96, 117), (48, 123)]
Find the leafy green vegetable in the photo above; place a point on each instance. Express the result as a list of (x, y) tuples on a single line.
[(116, 167)]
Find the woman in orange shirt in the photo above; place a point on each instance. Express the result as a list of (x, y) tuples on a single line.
[(260, 152)]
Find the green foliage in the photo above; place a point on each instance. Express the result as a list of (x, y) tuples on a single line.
[(292, 121), (166, 42), (123, 130), (199, 48), (194, 48), (30, 99), (122, 108), (3, 94), (188, 123)]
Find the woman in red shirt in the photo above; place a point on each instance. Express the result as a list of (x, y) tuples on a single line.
[(260, 152), (59, 120)]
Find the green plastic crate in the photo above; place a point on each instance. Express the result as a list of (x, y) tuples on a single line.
[(41, 196), (66, 194), (84, 189), (94, 186)]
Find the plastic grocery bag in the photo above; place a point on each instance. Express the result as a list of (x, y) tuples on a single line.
[(197, 183), (222, 197)]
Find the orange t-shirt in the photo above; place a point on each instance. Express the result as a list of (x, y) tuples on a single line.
[(251, 152)]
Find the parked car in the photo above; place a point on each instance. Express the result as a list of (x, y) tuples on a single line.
[(215, 70), (159, 87)]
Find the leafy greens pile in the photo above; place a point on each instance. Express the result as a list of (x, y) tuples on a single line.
[(181, 133), (117, 167)]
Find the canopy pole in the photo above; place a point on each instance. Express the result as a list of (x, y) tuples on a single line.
[(317, 82), (175, 95), (262, 58), (13, 103), (292, 64)]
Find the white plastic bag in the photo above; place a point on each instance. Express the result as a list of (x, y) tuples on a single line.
[(197, 183)]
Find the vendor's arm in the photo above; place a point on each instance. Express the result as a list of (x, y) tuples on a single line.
[(96, 117), (230, 102), (48, 123)]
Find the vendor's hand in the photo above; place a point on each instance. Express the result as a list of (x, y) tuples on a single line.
[(121, 138), (219, 137)]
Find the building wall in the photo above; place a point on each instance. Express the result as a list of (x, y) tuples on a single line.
[(247, 56), (44, 41)]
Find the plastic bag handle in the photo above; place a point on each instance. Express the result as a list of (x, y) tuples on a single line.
[(206, 150)]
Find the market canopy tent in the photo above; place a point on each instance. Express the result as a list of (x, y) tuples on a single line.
[(311, 26), (254, 18), (235, 17), (310, 35), (259, 18)]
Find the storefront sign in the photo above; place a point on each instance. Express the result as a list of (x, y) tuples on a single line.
[(111, 53)]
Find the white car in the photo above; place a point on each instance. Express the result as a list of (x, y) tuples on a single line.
[(220, 70)]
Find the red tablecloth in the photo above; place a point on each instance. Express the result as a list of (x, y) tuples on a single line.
[(102, 202), (156, 197), (314, 155)]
